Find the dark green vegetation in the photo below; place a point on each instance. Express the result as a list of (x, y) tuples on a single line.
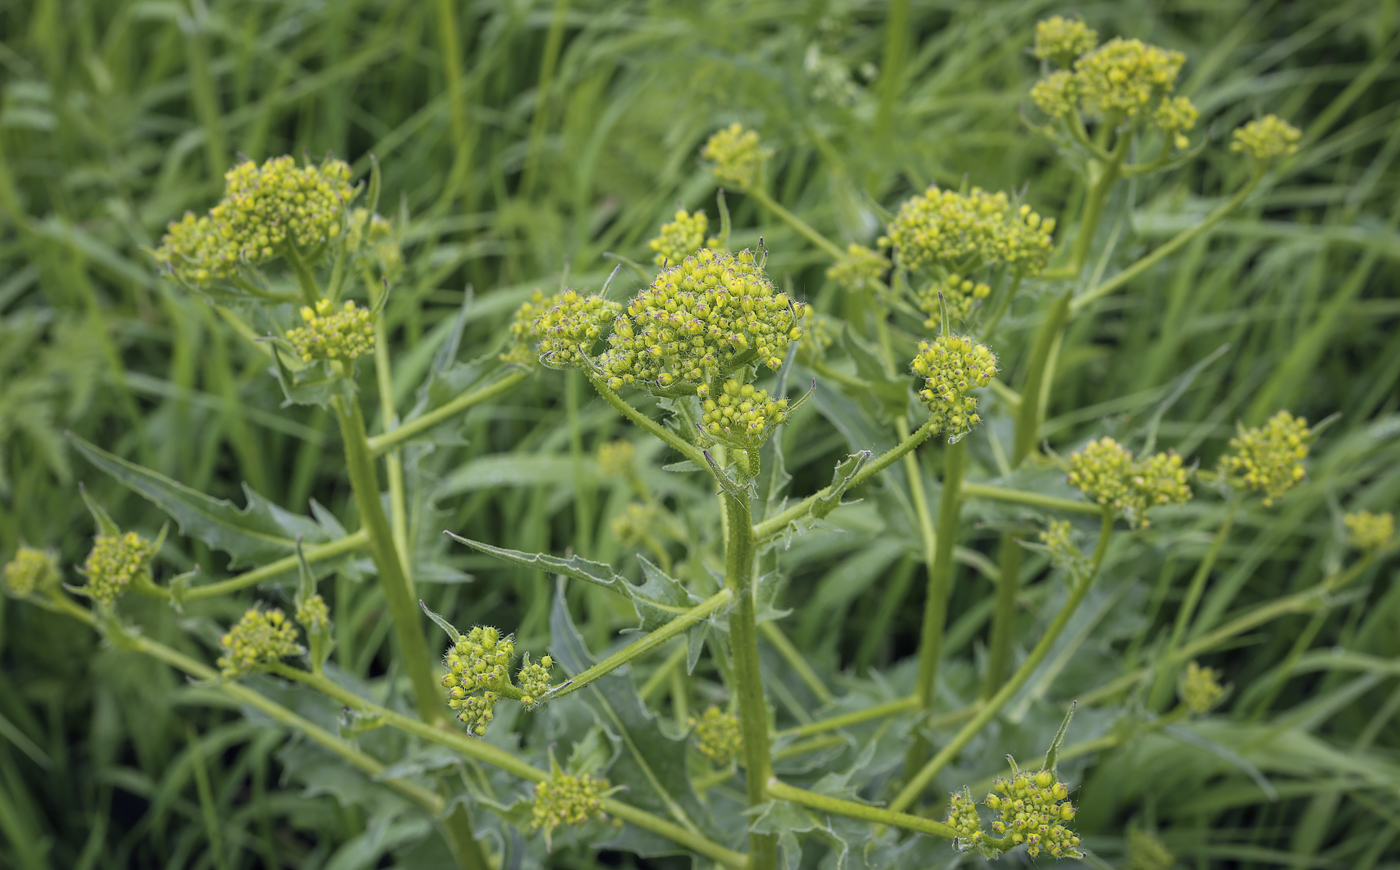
[(516, 140)]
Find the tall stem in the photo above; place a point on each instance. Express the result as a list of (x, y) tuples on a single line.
[(393, 463), (940, 584), (398, 593), (740, 549), (394, 437), (797, 223)]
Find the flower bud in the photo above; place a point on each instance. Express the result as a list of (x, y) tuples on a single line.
[(1266, 139), (566, 799), (329, 334), (860, 269), (31, 570), (1368, 531), (680, 238), (952, 366), (1268, 458), (1060, 40), (1200, 689), (717, 736), (736, 155), (259, 638), (114, 562)]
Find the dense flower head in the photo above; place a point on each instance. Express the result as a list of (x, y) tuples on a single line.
[(633, 526), (963, 818), (313, 614), (31, 569), (741, 415), (1368, 531), (952, 366), (699, 321), (1268, 138), (264, 209), (1200, 688), (1034, 809), (718, 736), (860, 269), (1106, 472), (736, 155), (954, 292), (680, 238), (1146, 852), (383, 246), (1173, 118), (617, 458), (963, 232), (259, 638), (1125, 76), (1060, 40), (819, 332), (566, 799), (477, 663), (114, 562), (569, 329), (1057, 94), (533, 678), (333, 334), (1057, 537), (1268, 458)]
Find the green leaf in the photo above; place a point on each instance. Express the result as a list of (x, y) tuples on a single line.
[(822, 507), (260, 532), (316, 384), (1052, 755), (657, 601), (740, 490), (884, 396), (105, 524)]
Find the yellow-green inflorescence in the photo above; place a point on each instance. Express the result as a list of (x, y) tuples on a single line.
[(264, 209), (31, 570), (741, 416), (1368, 531), (114, 563), (617, 459), (382, 246), (952, 366), (259, 638), (566, 799), (698, 322), (1200, 688), (633, 527), (736, 155), (313, 614), (533, 679), (1107, 472), (962, 232), (679, 239), (860, 269), (561, 331), (478, 673), (1033, 810), (1266, 139), (1060, 40), (1268, 458), (337, 334), (953, 292), (718, 736), (1057, 538)]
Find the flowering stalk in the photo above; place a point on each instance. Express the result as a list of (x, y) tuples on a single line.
[(864, 812), (417, 426)]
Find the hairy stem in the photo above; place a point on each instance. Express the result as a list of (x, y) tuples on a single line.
[(681, 446), (288, 564)]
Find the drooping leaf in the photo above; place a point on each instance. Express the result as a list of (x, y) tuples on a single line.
[(658, 600), (260, 532)]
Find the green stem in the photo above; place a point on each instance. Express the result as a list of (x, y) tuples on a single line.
[(740, 550), (398, 591), (1034, 499), (797, 223), (864, 812), (1099, 189), (793, 656), (583, 495), (641, 647), (317, 553), (1175, 244), (940, 584), (683, 447), (393, 463), (662, 673), (418, 425), (775, 524), (310, 293), (1031, 412), (835, 723), (988, 711), (1003, 634)]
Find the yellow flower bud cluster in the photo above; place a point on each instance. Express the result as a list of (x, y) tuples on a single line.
[(476, 664), (965, 232), (957, 293), (952, 366), (313, 614), (736, 155), (570, 328), (1173, 118), (818, 333), (1368, 531), (1268, 138), (383, 246), (1060, 40), (617, 458), (259, 638), (699, 321), (741, 416), (680, 238), (332, 335), (1124, 77), (1268, 458), (633, 526), (963, 818), (566, 799), (1106, 472), (31, 569), (114, 562), (1200, 688), (1146, 852), (1056, 94), (1034, 809), (860, 269), (533, 678), (1057, 538), (718, 736), (264, 209)]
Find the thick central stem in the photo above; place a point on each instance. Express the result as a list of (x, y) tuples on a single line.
[(740, 547)]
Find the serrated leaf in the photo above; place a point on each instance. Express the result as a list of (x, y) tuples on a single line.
[(740, 490), (841, 478), (685, 465), (105, 524), (260, 532), (657, 601)]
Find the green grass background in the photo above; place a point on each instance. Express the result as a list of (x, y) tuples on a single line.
[(518, 139)]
